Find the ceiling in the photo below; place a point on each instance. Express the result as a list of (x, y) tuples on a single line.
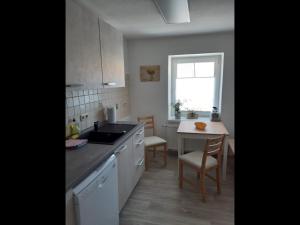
[(141, 18)]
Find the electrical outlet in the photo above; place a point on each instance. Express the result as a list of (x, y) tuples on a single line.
[(84, 116)]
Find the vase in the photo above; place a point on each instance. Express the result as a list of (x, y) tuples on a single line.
[(177, 115)]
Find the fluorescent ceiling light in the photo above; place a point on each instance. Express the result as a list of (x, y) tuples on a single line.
[(174, 11)]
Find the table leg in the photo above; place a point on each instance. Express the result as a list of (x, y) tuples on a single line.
[(178, 149), (225, 154)]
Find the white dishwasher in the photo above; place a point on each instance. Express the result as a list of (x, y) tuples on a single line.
[(96, 197)]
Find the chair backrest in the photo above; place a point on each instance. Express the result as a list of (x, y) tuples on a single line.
[(149, 122), (214, 146)]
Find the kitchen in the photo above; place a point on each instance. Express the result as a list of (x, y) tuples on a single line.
[(110, 47)]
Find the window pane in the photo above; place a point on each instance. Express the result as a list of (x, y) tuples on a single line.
[(185, 70), (205, 69), (195, 93)]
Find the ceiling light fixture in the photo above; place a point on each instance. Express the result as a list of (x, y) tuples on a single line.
[(174, 11)]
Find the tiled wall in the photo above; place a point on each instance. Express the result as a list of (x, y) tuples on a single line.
[(94, 101)]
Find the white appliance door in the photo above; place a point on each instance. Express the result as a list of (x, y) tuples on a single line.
[(97, 203)]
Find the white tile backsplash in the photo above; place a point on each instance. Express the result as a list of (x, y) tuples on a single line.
[(80, 92), (75, 93), (68, 94), (83, 124), (86, 99), (96, 105), (77, 110), (76, 101), (91, 98), (87, 107), (81, 100), (71, 111), (92, 106), (93, 101), (82, 109), (70, 102)]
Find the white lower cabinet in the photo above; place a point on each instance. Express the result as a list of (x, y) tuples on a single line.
[(138, 155), (130, 157), (124, 158), (130, 161)]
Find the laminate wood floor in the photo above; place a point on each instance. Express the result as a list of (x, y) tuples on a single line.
[(157, 199)]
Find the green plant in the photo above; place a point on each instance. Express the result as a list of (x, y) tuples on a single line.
[(177, 106)]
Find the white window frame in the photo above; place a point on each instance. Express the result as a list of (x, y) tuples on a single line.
[(217, 57)]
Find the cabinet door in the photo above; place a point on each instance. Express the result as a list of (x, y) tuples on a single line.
[(83, 58), (111, 41), (124, 171), (138, 156)]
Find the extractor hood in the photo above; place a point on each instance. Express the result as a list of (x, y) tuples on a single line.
[(174, 11)]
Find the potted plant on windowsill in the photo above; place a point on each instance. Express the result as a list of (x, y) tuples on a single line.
[(177, 109)]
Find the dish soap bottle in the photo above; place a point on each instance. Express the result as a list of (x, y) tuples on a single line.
[(215, 116), (74, 129)]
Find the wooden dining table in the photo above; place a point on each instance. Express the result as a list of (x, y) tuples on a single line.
[(187, 130)]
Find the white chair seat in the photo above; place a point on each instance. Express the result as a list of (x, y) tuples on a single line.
[(195, 159), (153, 140)]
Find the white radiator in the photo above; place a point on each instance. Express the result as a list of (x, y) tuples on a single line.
[(171, 135)]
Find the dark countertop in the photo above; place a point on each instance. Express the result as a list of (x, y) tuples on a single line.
[(83, 161)]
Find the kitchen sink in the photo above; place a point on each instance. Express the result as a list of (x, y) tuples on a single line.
[(115, 128), (107, 133)]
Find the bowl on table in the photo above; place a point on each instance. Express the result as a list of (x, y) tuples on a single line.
[(200, 125)]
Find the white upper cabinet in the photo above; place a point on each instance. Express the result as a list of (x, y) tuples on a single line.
[(83, 59), (111, 41), (94, 49)]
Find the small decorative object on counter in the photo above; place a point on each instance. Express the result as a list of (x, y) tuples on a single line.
[(96, 125), (215, 116), (74, 129), (191, 115)]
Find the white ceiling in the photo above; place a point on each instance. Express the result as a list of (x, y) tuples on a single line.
[(141, 18)]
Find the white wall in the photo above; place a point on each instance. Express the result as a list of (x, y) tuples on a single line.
[(151, 98)]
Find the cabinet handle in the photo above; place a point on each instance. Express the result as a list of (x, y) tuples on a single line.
[(141, 162), (110, 84), (140, 142), (120, 150), (103, 182), (139, 133)]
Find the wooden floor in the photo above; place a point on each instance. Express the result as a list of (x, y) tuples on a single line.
[(157, 199)]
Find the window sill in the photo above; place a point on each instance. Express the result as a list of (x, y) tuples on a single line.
[(202, 118)]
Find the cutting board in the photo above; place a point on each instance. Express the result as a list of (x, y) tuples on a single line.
[(72, 144)]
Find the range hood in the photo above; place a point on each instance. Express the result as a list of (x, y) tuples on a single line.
[(173, 11)]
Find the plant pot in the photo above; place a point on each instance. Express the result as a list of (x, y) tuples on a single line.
[(177, 115)]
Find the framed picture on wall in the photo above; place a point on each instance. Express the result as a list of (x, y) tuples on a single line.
[(150, 73)]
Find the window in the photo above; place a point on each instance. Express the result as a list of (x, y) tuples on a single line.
[(196, 81)]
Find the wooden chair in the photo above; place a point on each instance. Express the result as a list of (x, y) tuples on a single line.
[(203, 162), (231, 145), (152, 142)]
